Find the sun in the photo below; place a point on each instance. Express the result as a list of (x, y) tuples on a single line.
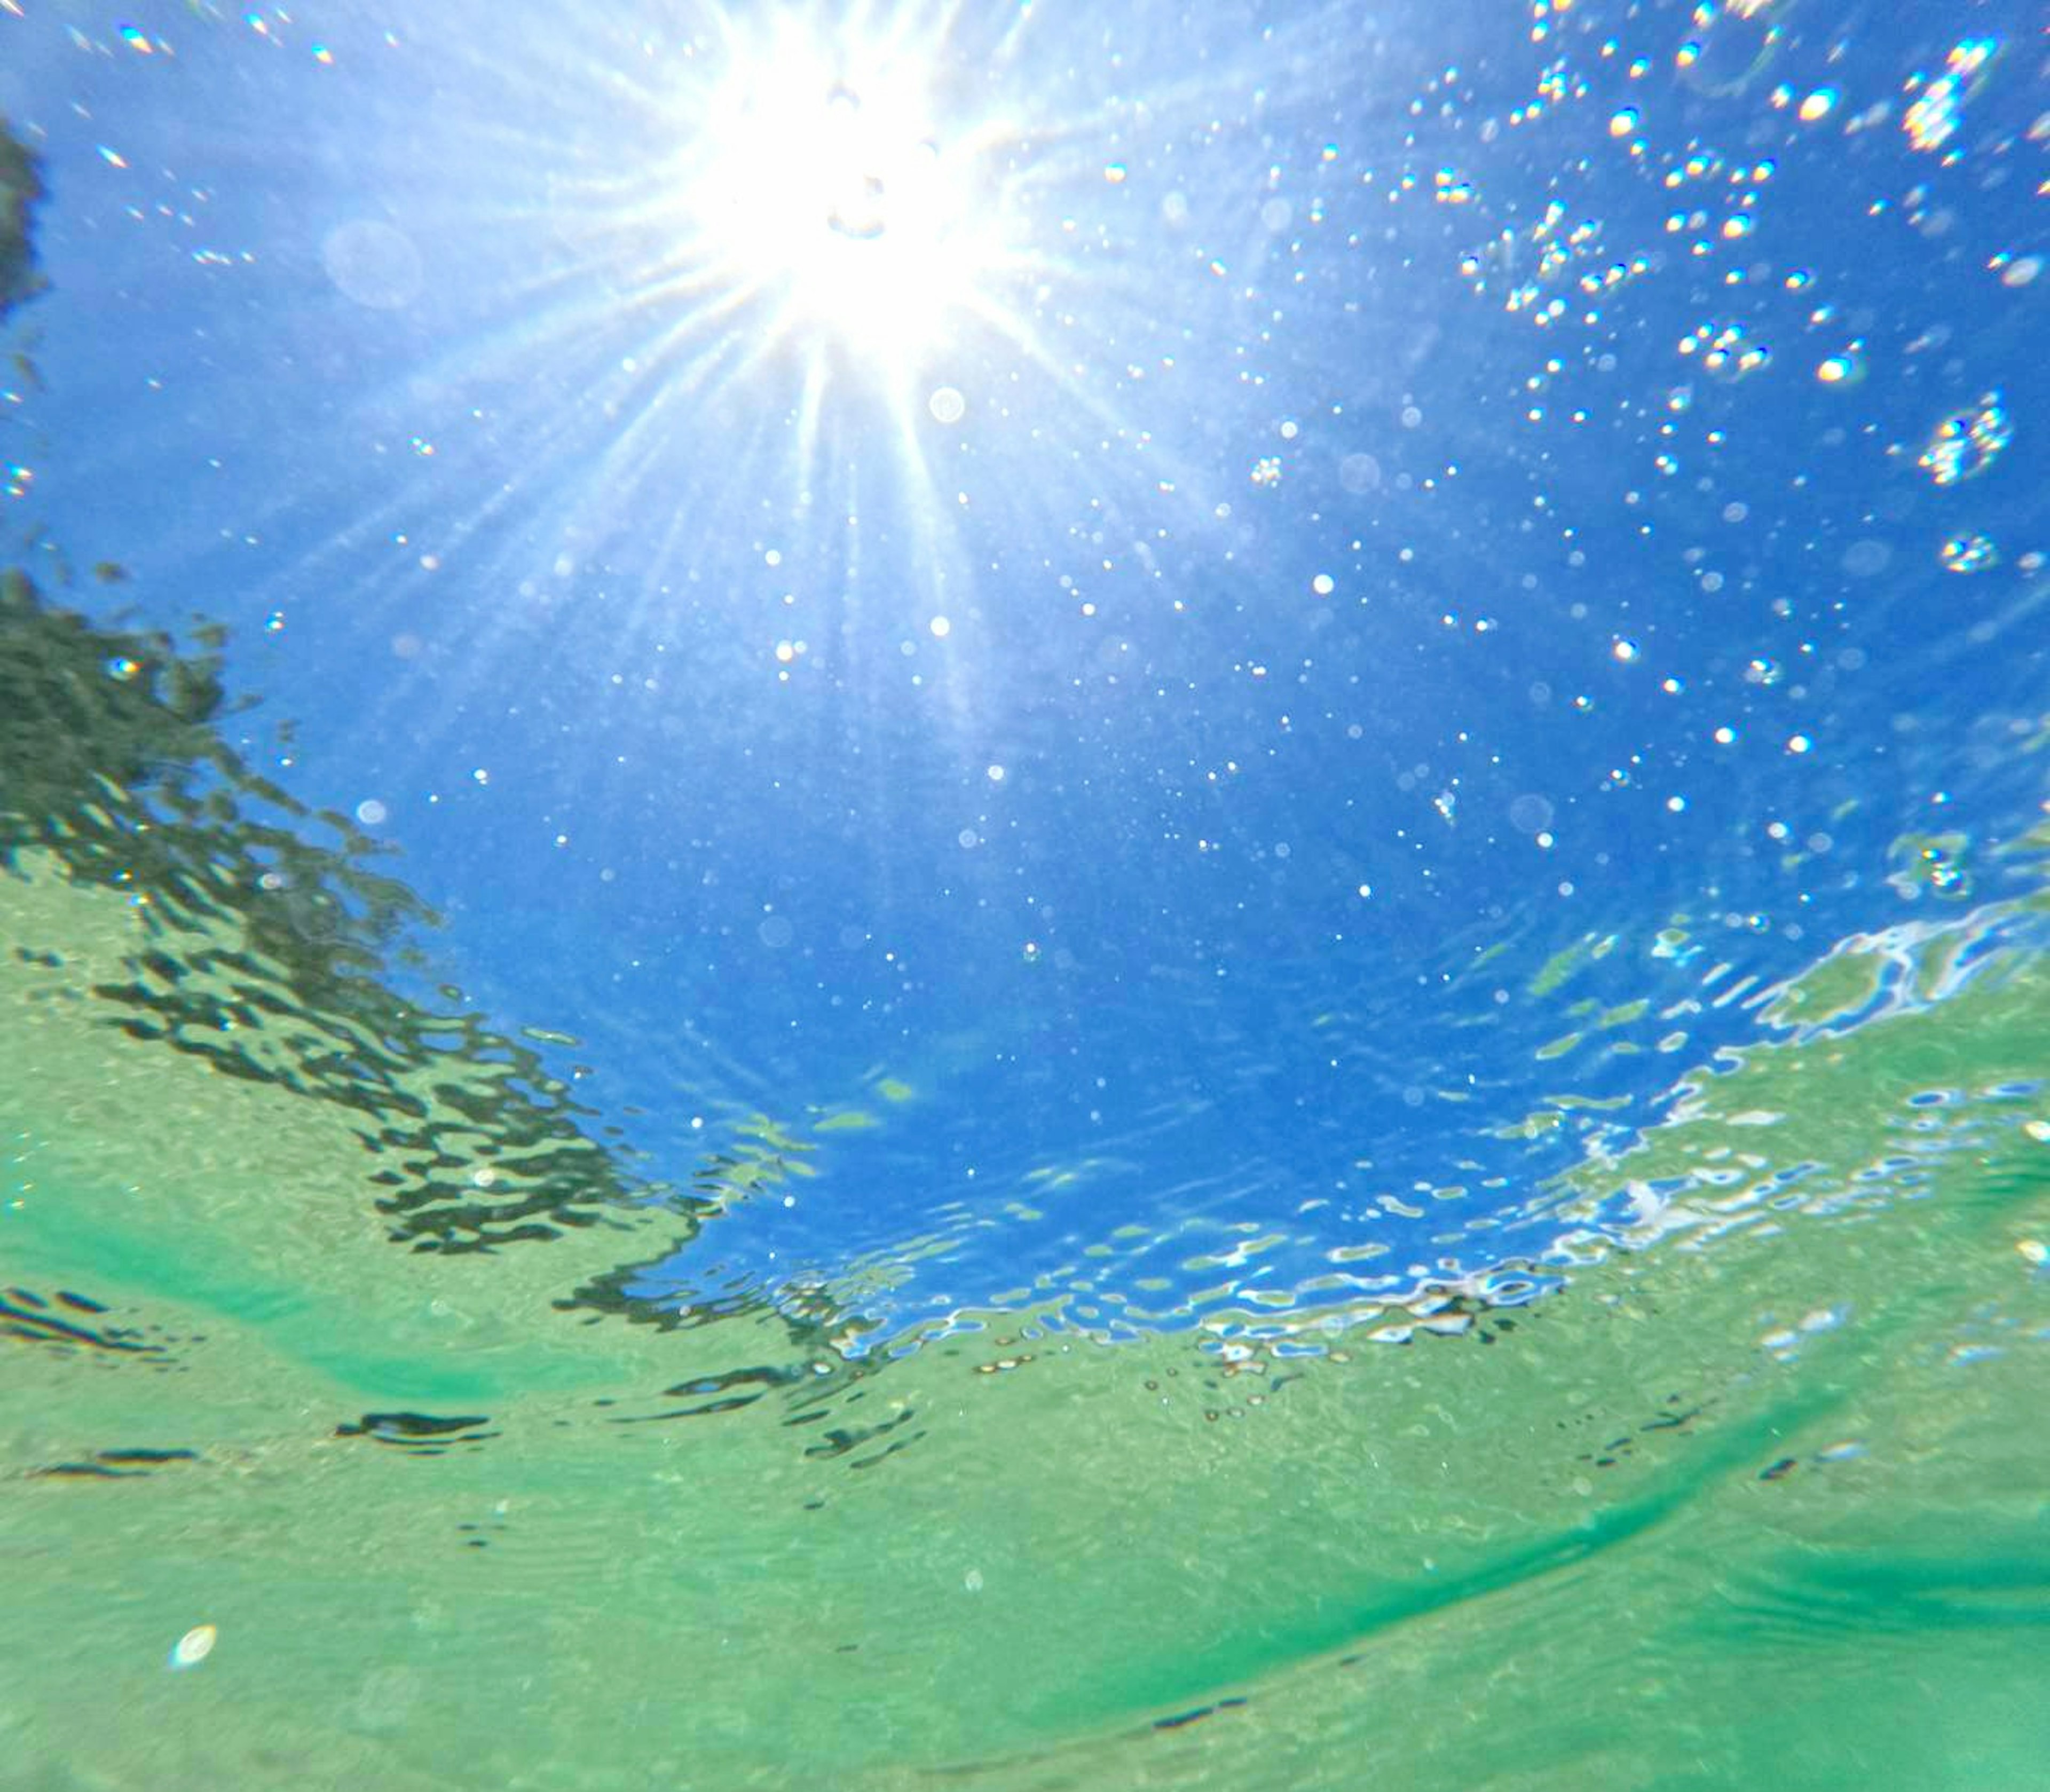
[(822, 189)]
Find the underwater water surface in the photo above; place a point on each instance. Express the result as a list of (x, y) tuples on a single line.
[(902, 894)]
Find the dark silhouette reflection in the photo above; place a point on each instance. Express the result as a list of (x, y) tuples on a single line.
[(272, 942), (21, 188)]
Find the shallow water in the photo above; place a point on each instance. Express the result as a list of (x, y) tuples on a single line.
[(1755, 1500), (1368, 1145)]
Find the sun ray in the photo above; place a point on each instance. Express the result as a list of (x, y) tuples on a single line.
[(759, 273)]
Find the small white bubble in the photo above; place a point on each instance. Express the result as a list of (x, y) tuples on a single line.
[(1323, 585), (194, 1646), (370, 812), (947, 405), (941, 628), (995, 774)]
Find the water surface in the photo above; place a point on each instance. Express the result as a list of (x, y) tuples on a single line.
[(901, 896)]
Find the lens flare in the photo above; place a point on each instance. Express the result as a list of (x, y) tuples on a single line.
[(823, 187)]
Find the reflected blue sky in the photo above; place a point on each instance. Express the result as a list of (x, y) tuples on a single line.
[(1121, 646)]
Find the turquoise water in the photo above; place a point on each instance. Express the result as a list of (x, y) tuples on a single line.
[(894, 897), (1745, 1495), (1750, 1501)]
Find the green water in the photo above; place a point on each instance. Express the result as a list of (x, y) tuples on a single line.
[(312, 1341), (1765, 1502)]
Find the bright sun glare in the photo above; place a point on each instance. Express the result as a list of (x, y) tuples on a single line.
[(820, 186)]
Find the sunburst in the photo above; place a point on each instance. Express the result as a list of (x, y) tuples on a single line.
[(850, 301), (823, 185), (835, 200)]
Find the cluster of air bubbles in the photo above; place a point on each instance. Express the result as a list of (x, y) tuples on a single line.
[(1931, 866), (1967, 441), (1727, 350), (1932, 120), (1971, 552)]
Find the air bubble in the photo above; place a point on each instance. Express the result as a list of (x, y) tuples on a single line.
[(1530, 813), (194, 1646), (1968, 553)]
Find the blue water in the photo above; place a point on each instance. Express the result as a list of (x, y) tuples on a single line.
[(1169, 775)]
